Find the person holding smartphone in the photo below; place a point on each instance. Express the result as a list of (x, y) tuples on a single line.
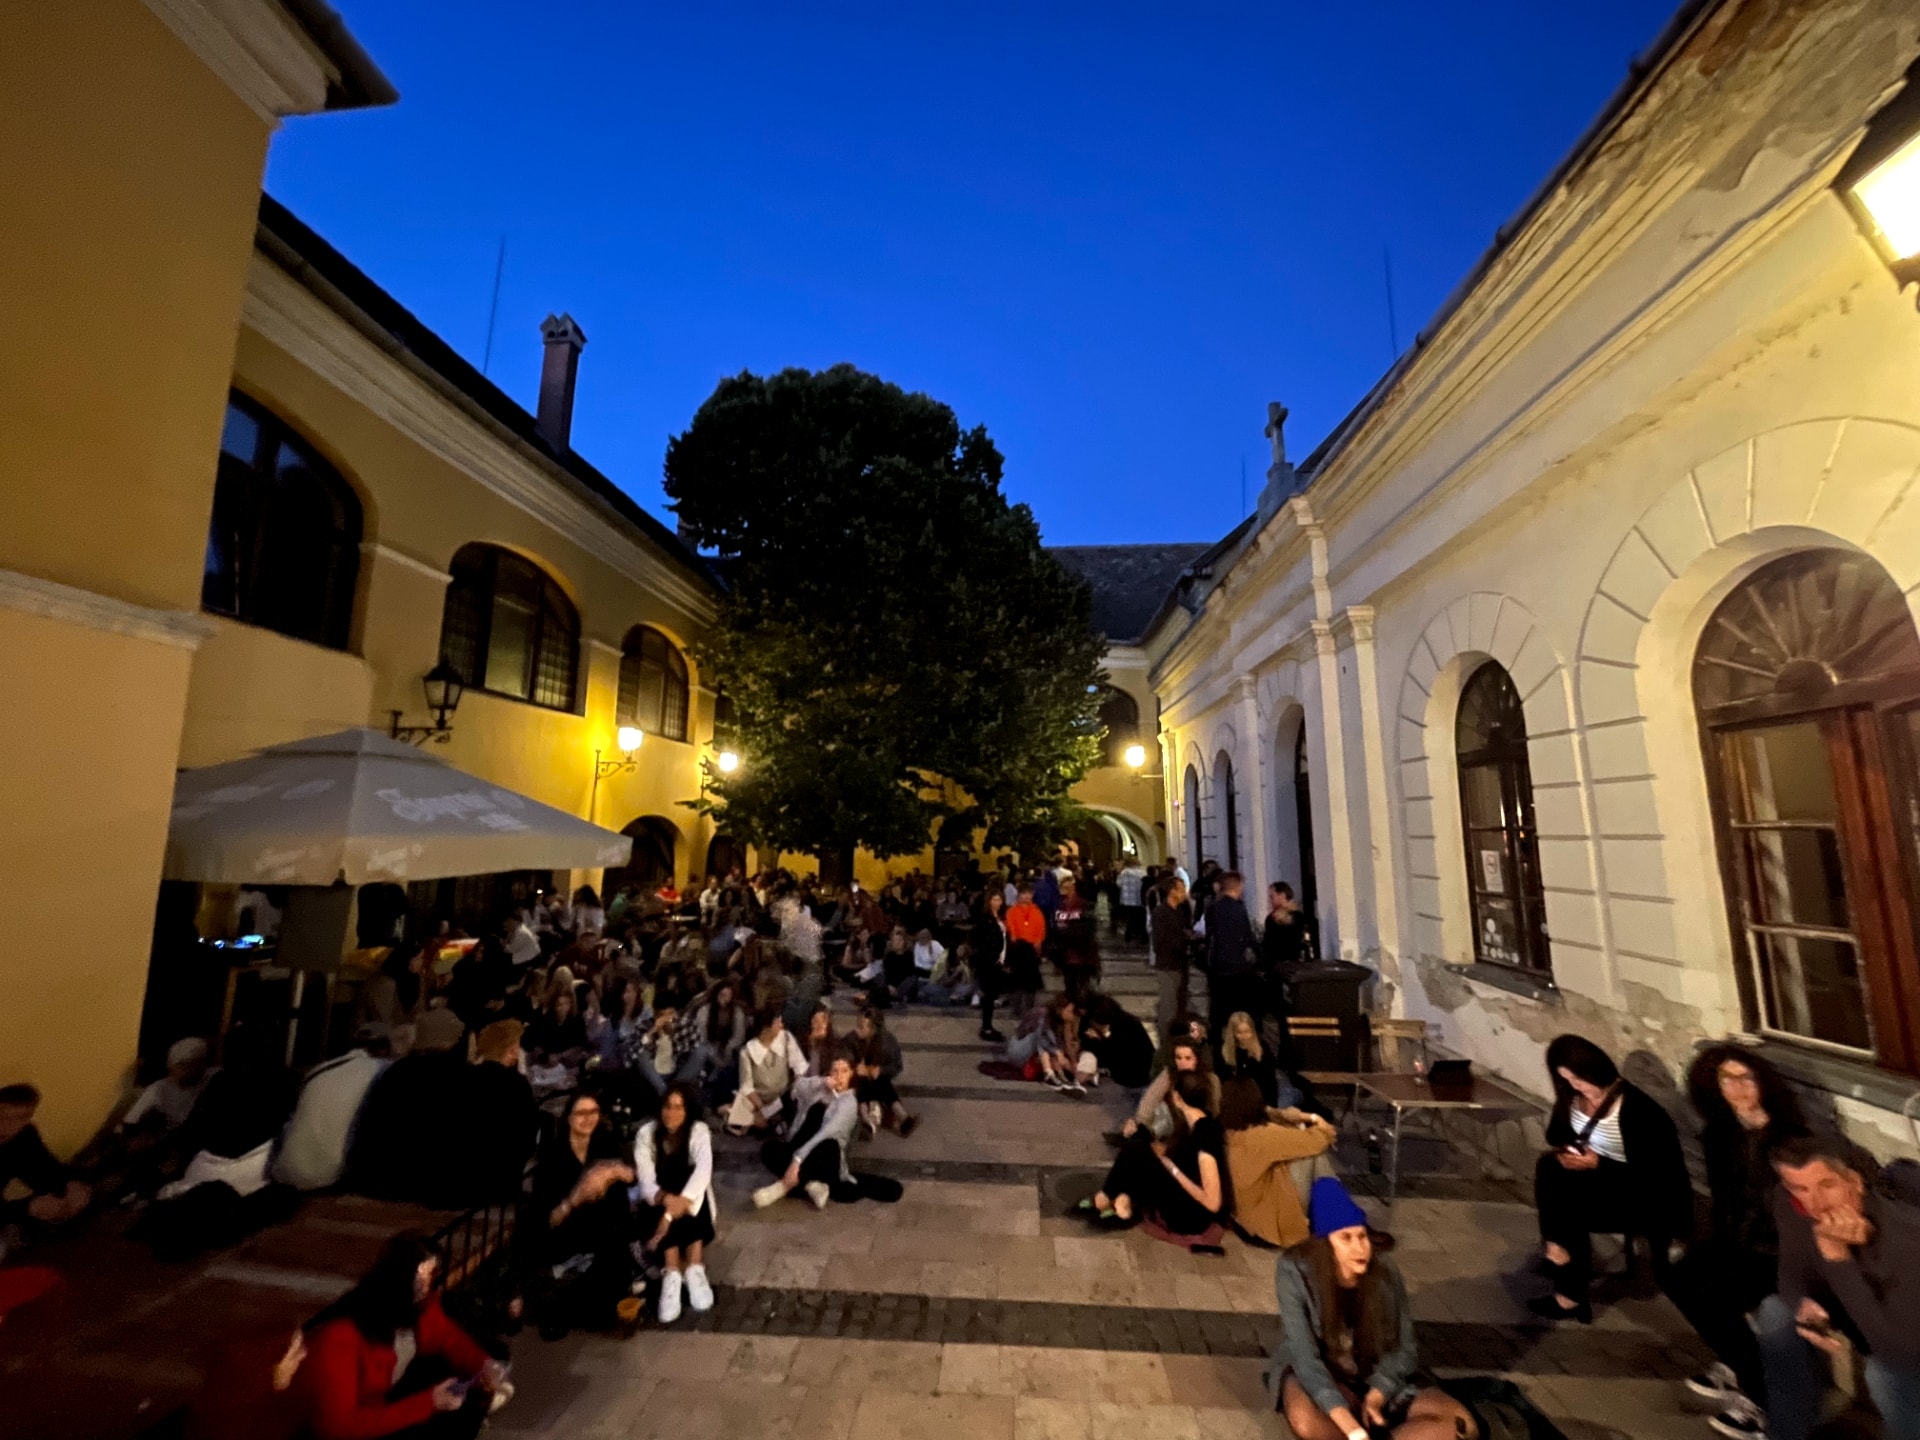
[(1849, 1267), (356, 1386), (1613, 1166)]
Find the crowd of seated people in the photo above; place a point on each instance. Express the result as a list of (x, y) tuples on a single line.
[(647, 1016)]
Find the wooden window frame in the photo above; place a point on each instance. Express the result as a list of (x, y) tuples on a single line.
[(1519, 837), (554, 616), (247, 491)]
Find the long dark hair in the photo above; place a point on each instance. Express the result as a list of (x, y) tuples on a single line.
[(1241, 1105), (1194, 1089), (1784, 1117), (382, 1302), (1586, 1060), (1377, 1328), (720, 1017), (676, 1140)]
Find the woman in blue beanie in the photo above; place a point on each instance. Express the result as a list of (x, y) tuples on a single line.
[(1347, 1352)]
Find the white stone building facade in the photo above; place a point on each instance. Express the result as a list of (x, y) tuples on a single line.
[(1684, 362)]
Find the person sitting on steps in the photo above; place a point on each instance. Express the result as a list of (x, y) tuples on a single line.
[(1348, 1359), (1181, 1181), (814, 1156), (673, 1188), (876, 1062)]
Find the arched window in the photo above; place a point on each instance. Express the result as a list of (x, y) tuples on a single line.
[(1496, 813), (1229, 807), (1120, 718), (1193, 821), (1303, 821), (653, 684), (1807, 685), (283, 549), (509, 628)]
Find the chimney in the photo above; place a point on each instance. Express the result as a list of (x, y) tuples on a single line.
[(565, 340)]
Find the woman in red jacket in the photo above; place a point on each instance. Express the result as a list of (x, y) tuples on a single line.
[(372, 1360)]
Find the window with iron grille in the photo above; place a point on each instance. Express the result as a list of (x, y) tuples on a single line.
[(653, 684), (283, 546), (509, 629)]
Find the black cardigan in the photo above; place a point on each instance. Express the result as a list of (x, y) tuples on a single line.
[(1663, 1191)]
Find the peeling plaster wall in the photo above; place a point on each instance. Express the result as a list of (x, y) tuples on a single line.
[(1688, 361)]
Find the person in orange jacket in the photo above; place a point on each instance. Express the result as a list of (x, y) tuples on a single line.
[(1026, 933)]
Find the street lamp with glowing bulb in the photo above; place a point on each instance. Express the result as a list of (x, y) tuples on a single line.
[(1135, 755), (728, 762), (1881, 182)]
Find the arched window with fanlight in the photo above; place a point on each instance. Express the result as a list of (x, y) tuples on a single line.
[(508, 628), (1496, 813), (1806, 682), (1119, 717), (283, 546), (653, 684)]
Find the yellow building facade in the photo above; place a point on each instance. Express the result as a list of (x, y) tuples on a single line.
[(155, 310)]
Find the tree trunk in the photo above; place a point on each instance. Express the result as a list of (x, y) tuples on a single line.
[(836, 865)]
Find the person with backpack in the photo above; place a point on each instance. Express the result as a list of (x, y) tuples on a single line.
[(1613, 1166)]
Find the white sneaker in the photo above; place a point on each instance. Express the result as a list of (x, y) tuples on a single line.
[(670, 1297), (1716, 1382), (1742, 1420), (871, 1117), (819, 1193), (699, 1292), (771, 1193)]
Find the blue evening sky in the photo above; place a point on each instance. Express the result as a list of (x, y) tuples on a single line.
[(1108, 232)]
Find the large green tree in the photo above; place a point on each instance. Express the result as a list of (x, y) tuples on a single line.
[(898, 648)]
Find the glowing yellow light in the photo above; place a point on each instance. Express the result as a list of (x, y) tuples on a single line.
[(727, 761), (1135, 756), (629, 738), (1890, 194)]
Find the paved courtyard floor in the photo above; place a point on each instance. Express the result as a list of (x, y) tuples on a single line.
[(975, 1308)]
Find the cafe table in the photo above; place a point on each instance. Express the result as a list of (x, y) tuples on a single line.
[(1405, 1092)]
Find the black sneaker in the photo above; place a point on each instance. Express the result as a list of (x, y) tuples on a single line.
[(1548, 1307), (992, 1035)]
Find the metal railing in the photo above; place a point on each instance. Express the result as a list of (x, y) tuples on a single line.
[(469, 1240)]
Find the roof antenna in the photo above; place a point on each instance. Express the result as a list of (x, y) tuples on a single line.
[(1393, 325), (493, 310)]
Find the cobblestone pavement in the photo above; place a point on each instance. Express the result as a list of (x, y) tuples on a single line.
[(974, 1307)]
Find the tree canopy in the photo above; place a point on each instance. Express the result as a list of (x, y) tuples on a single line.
[(898, 648)]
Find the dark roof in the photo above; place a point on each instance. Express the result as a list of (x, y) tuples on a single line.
[(1128, 582), (299, 250), (361, 83)]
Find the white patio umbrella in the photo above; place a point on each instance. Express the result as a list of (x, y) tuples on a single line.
[(358, 806)]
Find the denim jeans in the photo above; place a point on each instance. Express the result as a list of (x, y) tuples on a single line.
[(688, 1070), (1023, 1048), (1797, 1378)]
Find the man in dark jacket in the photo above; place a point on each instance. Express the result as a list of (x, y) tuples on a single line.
[(1849, 1265), (1172, 935), (1233, 956)]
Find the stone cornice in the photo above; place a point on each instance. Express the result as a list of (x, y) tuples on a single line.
[(50, 600), (378, 551), (257, 51), (286, 313)]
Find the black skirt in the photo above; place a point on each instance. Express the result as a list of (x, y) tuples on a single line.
[(694, 1229)]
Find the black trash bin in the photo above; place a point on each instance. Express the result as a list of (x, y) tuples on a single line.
[(1337, 990)]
